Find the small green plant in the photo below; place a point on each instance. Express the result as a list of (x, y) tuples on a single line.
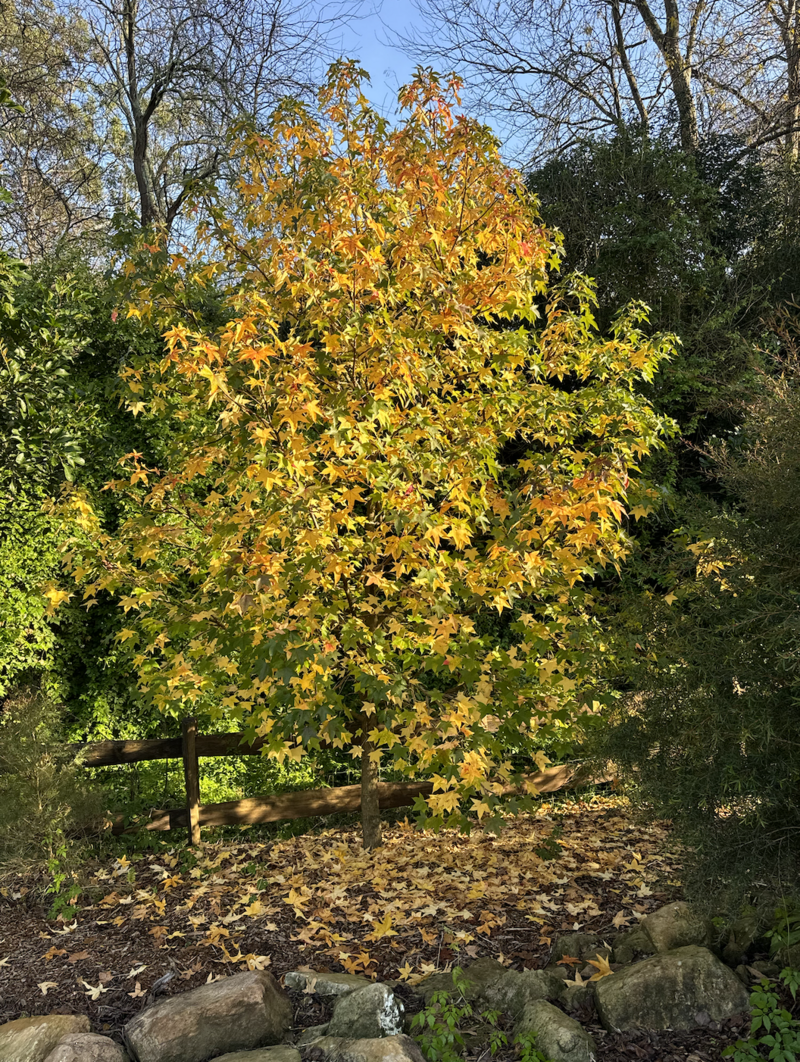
[(779, 1039), (64, 896), (439, 1026), (550, 848), (439, 1032), (528, 1052), (785, 932)]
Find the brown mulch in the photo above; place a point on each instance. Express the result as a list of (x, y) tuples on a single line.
[(165, 923)]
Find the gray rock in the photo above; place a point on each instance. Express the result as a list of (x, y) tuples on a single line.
[(670, 991), (312, 1033), (676, 926), (263, 1054), (558, 1036), (325, 984), (479, 977), (87, 1047), (577, 997), (32, 1039), (577, 946), (628, 945), (512, 992), (748, 928), (238, 1013), (367, 1014), (387, 1049), (561, 972), (767, 968)]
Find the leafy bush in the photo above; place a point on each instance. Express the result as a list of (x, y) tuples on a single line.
[(440, 1027), (46, 806), (440, 1024), (779, 1029), (708, 735)]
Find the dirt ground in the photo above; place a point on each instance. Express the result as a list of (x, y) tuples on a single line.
[(159, 924)]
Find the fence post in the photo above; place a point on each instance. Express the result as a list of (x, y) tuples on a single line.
[(191, 774)]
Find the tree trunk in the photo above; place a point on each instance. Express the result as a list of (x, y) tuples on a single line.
[(370, 806), (680, 78), (793, 93), (679, 67)]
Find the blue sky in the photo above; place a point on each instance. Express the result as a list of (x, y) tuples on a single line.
[(369, 40)]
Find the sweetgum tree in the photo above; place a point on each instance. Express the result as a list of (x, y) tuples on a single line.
[(395, 425)]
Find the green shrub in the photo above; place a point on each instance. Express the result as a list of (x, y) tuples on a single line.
[(778, 1030), (706, 734), (47, 805)]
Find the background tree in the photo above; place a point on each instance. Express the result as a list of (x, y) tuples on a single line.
[(50, 151), (554, 73), (316, 551), (551, 74), (174, 76), (126, 103), (708, 733)]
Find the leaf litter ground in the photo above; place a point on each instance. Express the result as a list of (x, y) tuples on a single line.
[(163, 923)]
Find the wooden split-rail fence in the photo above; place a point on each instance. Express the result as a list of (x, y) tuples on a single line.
[(190, 746)]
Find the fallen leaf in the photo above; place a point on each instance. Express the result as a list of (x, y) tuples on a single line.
[(257, 962), (78, 956), (137, 992), (95, 991), (382, 929), (45, 986), (602, 967)]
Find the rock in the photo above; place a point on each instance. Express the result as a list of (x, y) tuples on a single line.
[(87, 1047), (479, 976), (743, 975), (767, 968), (675, 926), (561, 972), (366, 1014), (312, 1033), (387, 1049), (669, 991), (238, 1013), (579, 997), (558, 1037), (747, 929), (32, 1039), (628, 945), (514, 990), (325, 984), (733, 954), (263, 1054), (578, 946)]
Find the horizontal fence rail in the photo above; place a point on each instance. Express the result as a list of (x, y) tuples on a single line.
[(115, 753), (306, 803)]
